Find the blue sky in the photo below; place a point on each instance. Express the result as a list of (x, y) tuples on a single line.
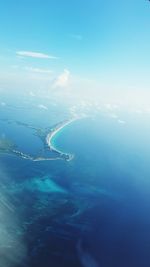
[(104, 44)]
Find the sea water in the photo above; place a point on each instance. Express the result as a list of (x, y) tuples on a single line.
[(93, 210), (110, 172)]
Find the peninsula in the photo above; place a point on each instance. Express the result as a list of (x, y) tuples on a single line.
[(7, 146)]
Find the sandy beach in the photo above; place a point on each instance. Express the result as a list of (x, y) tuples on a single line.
[(48, 140), (54, 132)]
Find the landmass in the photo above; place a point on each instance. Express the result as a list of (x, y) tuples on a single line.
[(52, 134), (7, 146)]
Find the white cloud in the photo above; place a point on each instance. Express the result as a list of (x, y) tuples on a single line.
[(113, 116), (108, 106), (77, 36), (62, 80), (42, 107), (121, 122), (15, 66), (37, 70), (3, 104), (139, 111), (31, 93), (34, 55)]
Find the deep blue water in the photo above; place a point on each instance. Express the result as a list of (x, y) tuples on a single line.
[(92, 211), (113, 158)]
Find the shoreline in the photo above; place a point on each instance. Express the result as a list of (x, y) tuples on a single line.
[(52, 134), (59, 155), (29, 157)]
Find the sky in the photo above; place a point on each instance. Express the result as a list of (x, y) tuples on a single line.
[(90, 46)]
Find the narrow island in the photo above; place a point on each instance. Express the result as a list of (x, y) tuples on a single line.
[(7, 146)]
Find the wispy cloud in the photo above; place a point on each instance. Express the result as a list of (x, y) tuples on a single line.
[(31, 93), (121, 121), (38, 70), (76, 36), (3, 104), (113, 116), (41, 106), (34, 55), (62, 80)]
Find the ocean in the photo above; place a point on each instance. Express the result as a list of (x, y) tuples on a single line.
[(91, 211)]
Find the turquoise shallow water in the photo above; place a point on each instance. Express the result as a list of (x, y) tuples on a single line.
[(54, 140)]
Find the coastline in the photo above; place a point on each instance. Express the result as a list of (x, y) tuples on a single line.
[(53, 133), (60, 155), (29, 157)]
